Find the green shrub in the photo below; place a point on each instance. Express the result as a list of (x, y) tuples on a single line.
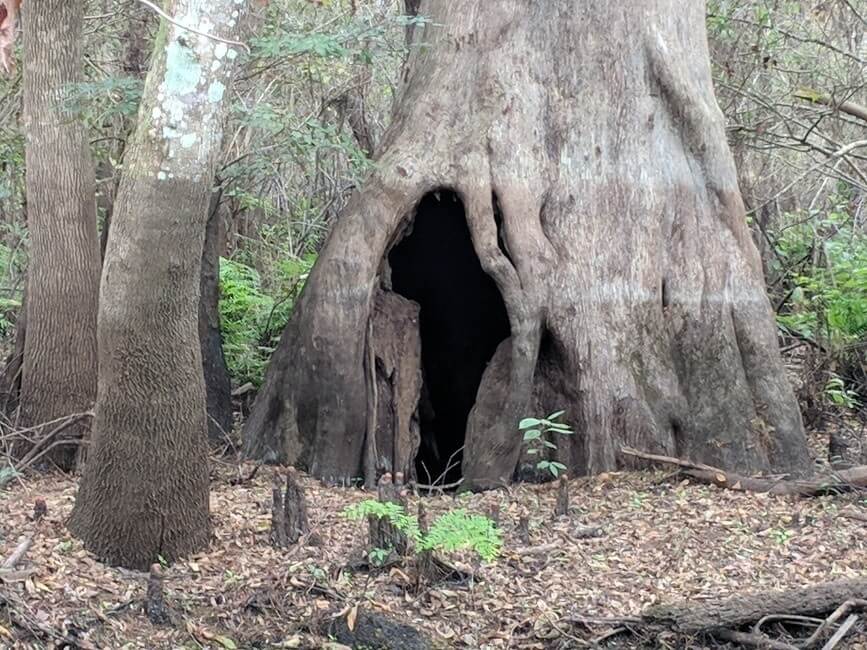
[(822, 261), (251, 318), (821, 267)]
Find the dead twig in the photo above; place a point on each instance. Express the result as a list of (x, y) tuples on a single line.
[(786, 618), (48, 442), (747, 639), (24, 544), (241, 479), (841, 481), (840, 634), (430, 487), (213, 37), (836, 615)]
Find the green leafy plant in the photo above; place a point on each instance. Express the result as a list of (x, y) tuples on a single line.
[(458, 529), (838, 394), (782, 535), (821, 267), (99, 100), (252, 315), (537, 434), (379, 556), (244, 308), (637, 500), (455, 530), (391, 512)]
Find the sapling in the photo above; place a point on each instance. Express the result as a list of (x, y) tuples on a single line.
[(537, 433)]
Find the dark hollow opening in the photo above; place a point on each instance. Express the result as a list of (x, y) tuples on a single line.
[(462, 319)]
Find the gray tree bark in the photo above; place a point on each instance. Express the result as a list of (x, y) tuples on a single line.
[(58, 374), (144, 493), (589, 157)]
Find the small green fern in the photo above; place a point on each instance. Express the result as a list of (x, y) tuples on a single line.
[(459, 530), (392, 512), (456, 530)]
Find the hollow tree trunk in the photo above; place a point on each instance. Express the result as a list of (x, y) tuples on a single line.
[(586, 148), (59, 363), (144, 493)]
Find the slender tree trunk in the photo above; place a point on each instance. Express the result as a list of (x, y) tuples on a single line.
[(144, 493), (557, 195), (59, 365), (218, 385), (140, 23)]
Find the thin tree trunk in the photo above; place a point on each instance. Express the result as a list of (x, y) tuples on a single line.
[(218, 385), (144, 493), (59, 364), (578, 151)]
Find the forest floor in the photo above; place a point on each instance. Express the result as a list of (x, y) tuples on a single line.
[(664, 540)]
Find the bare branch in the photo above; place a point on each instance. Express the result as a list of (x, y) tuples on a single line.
[(213, 37)]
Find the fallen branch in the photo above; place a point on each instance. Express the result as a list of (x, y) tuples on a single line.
[(240, 391), (735, 612), (8, 576), (21, 616), (24, 544), (840, 481), (241, 479)]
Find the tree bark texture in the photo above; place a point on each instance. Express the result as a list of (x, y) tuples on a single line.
[(144, 493), (59, 364), (587, 152)]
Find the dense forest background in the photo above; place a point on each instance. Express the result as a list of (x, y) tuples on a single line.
[(315, 95)]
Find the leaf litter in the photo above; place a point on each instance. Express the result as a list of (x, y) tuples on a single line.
[(663, 540)]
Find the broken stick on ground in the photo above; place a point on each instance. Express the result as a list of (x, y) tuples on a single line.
[(840, 481)]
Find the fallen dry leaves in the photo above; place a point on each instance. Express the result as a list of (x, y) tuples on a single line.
[(662, 541)]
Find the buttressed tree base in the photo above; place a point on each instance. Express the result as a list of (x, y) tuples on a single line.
[(553, 222)]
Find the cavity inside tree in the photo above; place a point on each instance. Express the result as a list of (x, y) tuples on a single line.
[(577, 151)]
